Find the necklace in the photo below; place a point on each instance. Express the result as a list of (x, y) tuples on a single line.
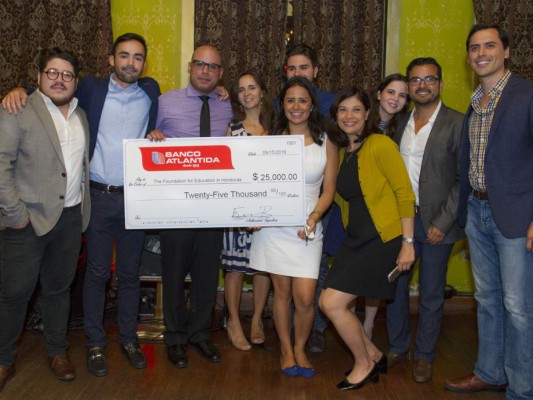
[(358, 143), (350, 156)]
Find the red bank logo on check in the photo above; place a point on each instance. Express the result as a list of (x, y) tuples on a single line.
[(186, 158)]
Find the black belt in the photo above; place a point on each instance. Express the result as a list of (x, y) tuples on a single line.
[(480, 195), (109, 189)]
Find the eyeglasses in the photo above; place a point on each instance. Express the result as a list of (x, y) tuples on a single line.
[(53, 74), (199, 64), (430, 80)]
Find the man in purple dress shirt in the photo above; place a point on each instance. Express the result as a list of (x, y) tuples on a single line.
[(194, 251)]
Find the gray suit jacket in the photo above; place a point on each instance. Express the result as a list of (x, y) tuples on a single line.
[(439, 174), (32, 170)]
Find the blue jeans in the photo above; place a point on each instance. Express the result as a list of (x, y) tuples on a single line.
[(503, 275), (25, 259), (432, 279), (107, 225)]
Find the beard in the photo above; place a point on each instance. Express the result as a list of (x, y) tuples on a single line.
[(431, 96), (61, 99), (127, 78)]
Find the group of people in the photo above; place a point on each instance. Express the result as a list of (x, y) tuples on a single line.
[(406, 183)]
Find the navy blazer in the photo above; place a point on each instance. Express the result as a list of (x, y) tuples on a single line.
[(91, 95), (508, 161)]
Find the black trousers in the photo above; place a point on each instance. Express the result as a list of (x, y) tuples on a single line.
[(25, 258), (194, 251)]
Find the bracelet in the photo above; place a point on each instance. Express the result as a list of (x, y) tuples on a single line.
[(316, 212)]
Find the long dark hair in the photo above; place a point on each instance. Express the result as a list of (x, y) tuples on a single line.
[(265, 115), (374, 118), (315, 121), (336, 135)]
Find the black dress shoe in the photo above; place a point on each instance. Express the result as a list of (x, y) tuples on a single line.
[(96, 362), (373, 376), (207, 350), (135, 355), (177, 356), (316, 342)]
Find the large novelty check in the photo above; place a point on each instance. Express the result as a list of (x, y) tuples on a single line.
[(214, 182)]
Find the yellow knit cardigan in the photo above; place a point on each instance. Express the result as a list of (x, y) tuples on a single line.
[(385, 185)]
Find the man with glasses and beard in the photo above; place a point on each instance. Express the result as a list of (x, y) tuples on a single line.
[(122, 106), (429, 144), (44, 207)]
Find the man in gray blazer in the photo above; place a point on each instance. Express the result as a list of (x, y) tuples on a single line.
[(429, 143), (44, 207)]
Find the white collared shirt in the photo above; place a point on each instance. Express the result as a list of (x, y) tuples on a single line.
[(72, 139), (412, 147)]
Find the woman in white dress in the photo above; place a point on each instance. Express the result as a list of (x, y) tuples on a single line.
[(292, 259)]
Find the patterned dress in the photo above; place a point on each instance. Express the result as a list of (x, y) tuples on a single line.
[(237, 241)]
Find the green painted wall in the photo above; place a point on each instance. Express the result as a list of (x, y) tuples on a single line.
[(429, 28), (160, 22), (438, 29)]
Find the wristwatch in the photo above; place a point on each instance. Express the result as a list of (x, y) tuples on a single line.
[(408, 239)]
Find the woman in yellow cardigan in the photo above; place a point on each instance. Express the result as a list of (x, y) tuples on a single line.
[(377, 203)]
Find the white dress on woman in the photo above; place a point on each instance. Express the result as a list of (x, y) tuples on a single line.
[(279, 250)]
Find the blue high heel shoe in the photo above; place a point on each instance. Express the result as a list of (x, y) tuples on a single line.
[(306, 372), (291, 371)]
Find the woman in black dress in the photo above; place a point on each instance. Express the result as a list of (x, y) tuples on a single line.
[(377, 202)]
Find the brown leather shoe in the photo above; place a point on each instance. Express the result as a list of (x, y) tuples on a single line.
[(62, 367), (395, 359), (6, 372), (422, 372), (471, 383)]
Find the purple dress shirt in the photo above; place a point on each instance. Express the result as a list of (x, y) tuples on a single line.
[(179, 113)]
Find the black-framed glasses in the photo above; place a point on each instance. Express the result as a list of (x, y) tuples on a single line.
[(430, 80), (199, 64), (53, 74)]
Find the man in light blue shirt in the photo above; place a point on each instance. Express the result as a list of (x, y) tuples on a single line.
[(123, 106)]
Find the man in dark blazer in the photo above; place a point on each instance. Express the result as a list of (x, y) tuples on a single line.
[(496, 204), (122, 106), (429, 143), (44, 207)]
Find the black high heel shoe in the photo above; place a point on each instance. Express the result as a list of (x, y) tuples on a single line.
[(382, 365), (373, 377)]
